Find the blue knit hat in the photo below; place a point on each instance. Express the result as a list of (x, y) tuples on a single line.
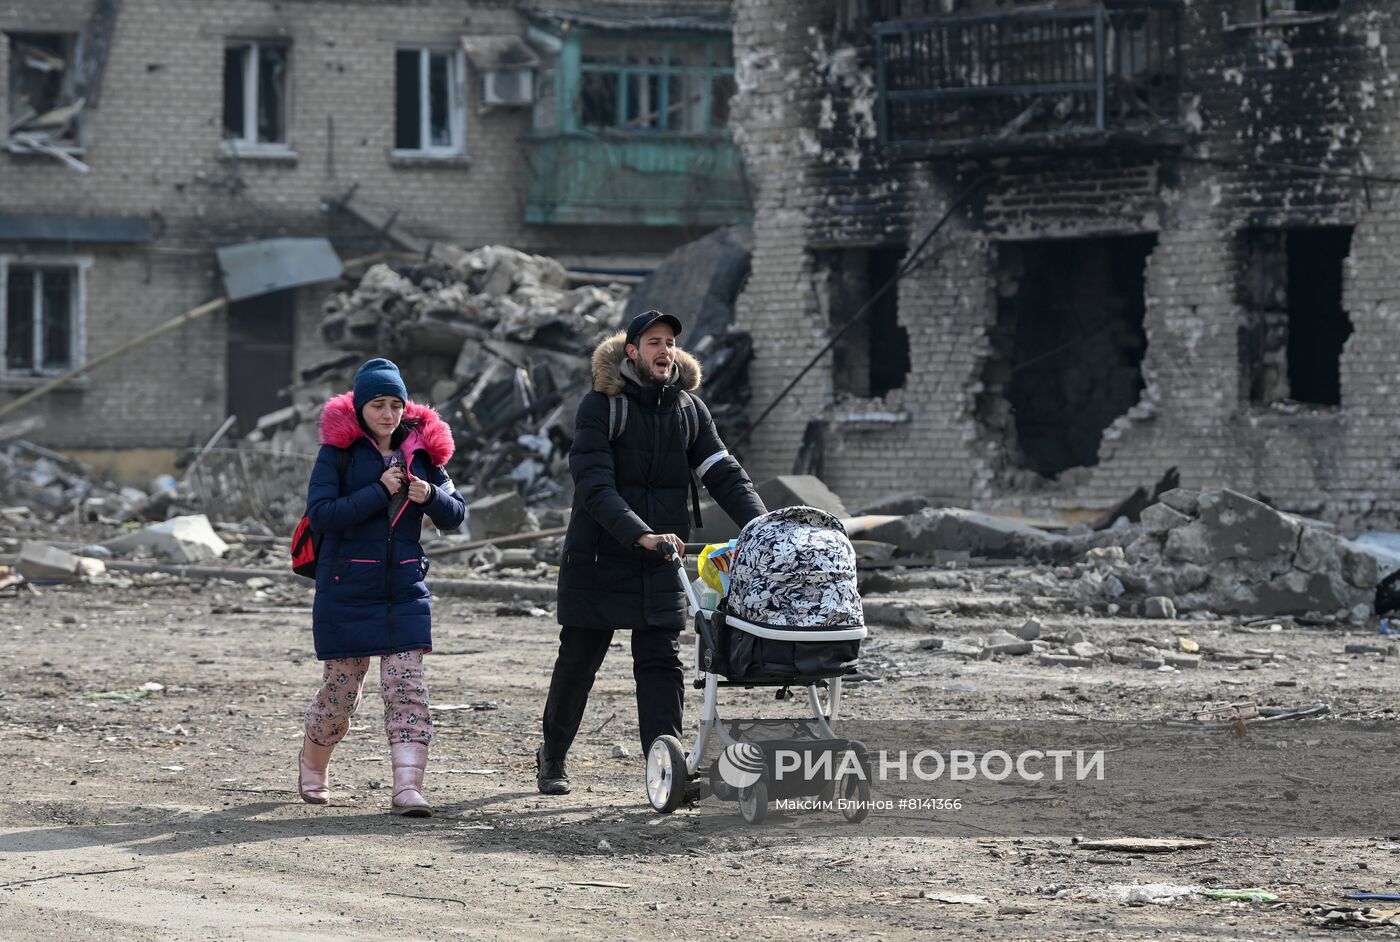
[(378, 377)]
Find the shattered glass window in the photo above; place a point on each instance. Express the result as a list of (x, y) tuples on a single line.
[(598, 100), (637, 84), (428, 113), (255, 93), (42, 87), (19, 320), (40, 318), (272, 94), (439, 95)]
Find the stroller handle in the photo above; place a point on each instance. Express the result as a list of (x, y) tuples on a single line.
[(667, 550)]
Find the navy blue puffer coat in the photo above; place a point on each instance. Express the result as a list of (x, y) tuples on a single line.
[(371, 590)]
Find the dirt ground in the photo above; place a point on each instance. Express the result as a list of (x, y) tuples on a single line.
[(174, 816)]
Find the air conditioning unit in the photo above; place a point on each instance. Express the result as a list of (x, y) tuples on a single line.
[(508, 87)]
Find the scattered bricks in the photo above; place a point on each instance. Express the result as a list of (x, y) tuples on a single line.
[(41, 562), (1182, 661), (1028, 631), (1159, 607), (1003, 642), (1085, 650), (1365, 649), (497, 515), (1064, 660)]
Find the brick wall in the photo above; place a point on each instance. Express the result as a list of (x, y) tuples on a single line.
[(1261, 100), (154, 146)]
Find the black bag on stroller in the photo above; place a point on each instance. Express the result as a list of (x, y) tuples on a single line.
[(794, 575)]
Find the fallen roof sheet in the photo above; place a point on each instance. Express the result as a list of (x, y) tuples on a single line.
[(254, 268), (59, 227)]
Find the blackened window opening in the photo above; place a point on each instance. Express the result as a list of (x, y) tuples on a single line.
[(1318, 327), (872, 357), (1068, 345), (1294, 326), (407, 101)]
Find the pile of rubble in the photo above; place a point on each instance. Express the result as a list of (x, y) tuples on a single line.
[(499, 342), (1222, 551)]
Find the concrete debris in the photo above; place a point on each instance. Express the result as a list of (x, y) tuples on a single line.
[(188, 539), (497, 515), (951, 528), (1159, 607), (498, 341), (1228, 553)]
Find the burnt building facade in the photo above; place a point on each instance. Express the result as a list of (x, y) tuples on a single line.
[(1128, 235)]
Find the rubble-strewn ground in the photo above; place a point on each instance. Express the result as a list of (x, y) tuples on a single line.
[(185, 797)]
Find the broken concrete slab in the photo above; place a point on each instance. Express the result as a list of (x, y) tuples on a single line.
[(950, 528), (497, 515), (187, 539), (1064, 660), (805, 490), (1159, 607), (1029, 630), (41, 562)]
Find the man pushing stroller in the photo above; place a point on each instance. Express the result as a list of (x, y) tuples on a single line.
[(640, 435)]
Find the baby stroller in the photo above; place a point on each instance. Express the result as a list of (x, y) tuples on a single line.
[(792, 618)]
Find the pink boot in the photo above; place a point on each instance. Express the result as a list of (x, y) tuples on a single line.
[(410, 759), (313, 772)]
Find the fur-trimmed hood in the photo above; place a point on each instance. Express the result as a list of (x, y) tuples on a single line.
[(611, 354), (340, 427)]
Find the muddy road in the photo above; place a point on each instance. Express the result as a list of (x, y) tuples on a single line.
[(172, 813)]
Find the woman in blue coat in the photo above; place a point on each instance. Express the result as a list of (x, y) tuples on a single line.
[(371, 597)]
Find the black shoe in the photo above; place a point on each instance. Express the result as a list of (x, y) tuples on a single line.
[(550, 774)]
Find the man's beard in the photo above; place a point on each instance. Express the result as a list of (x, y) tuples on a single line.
[(648, 376)]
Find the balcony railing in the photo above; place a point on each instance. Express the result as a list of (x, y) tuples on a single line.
[(588, 179), (1110, 71)]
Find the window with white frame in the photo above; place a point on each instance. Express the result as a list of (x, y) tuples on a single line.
[(429, 117), (255, 94), (42, 315)]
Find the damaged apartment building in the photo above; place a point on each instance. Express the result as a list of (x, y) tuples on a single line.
[(1129, 235), (162, 154)]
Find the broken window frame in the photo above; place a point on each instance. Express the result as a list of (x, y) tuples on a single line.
[(456, 102), (13, 266), (69, 141), (627, 77), (248, 142)]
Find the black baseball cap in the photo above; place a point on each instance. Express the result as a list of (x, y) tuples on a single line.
[(644, 320)]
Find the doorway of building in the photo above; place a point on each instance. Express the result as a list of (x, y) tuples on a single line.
[(1068, 345), (261, 341)]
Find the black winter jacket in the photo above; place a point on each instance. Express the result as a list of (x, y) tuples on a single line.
[(637, 484)]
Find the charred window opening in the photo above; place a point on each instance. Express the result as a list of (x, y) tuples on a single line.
[(1067, 346), (43, 108), (255, 93), (1294, 324), (872, 356), (40, 313)]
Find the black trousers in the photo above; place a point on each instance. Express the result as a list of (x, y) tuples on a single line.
[(656, 666)]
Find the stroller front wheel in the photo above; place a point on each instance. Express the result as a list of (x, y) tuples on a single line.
[(753, 802), (666, 773)]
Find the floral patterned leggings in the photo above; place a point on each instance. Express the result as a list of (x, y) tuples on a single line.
[(401, 684)]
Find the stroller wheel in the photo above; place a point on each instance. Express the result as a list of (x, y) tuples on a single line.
[(666, 774), (753, 802), (856, 791)]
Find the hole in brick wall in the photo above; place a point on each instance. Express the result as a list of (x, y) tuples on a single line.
[(1067, 347), (1294, 326), (872, 357)]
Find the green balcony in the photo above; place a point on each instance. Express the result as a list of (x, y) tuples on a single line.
[(584, 179)]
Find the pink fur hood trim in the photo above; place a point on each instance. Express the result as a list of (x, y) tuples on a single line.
[(340, 428)]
